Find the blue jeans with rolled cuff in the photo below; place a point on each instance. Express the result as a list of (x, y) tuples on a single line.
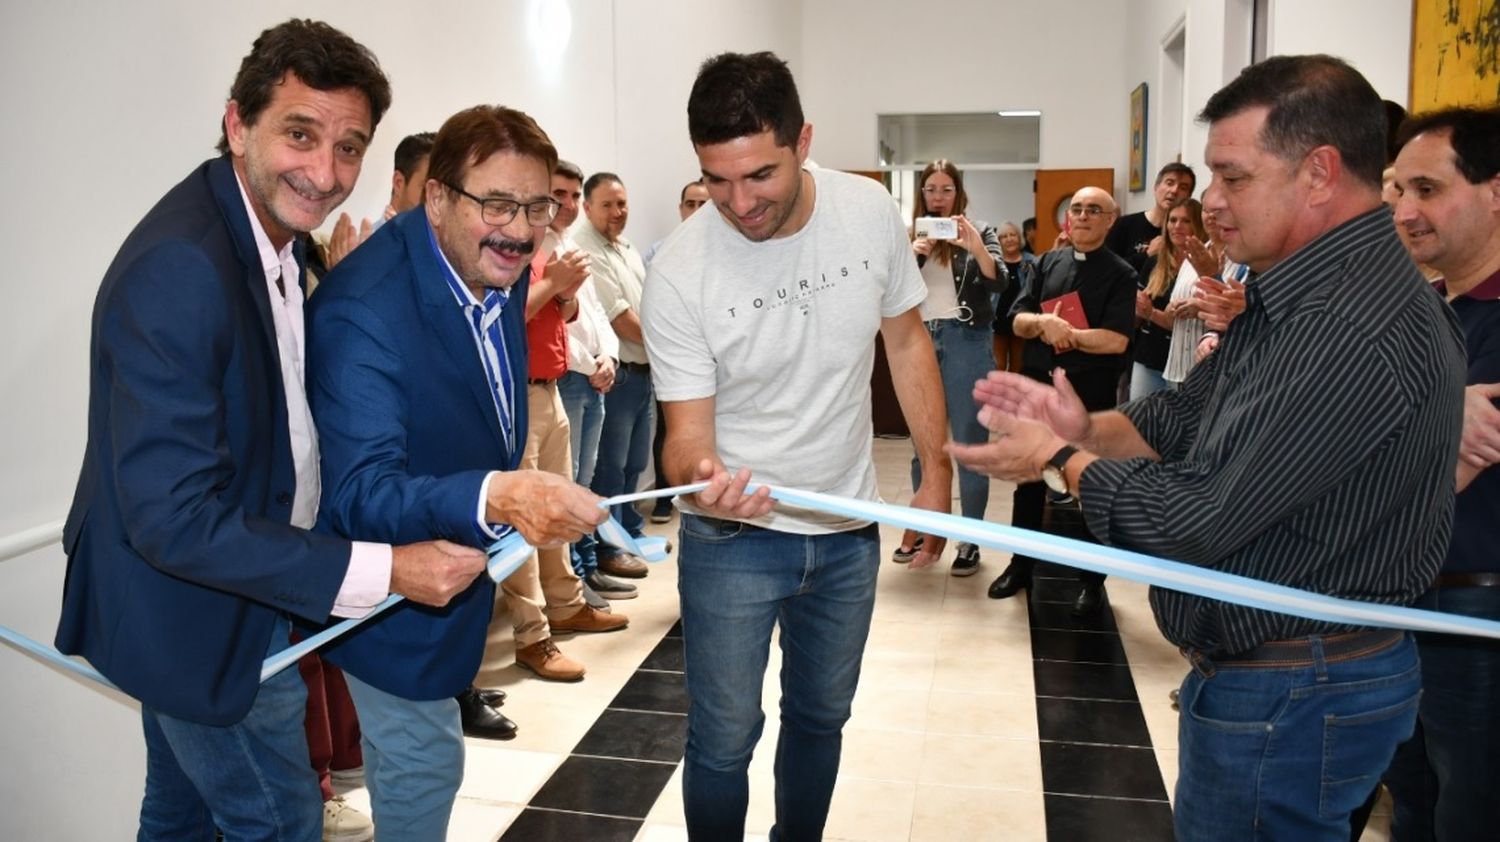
[(624, 445), (585, 408), (965, 355)]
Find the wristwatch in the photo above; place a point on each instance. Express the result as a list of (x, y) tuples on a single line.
[(1052, 472)]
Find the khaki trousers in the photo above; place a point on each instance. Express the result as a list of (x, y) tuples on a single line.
[(545, 587)]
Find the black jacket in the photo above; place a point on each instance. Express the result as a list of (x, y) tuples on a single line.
[(972, 287)]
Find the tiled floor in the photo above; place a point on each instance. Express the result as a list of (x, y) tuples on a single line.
[(975, 719)]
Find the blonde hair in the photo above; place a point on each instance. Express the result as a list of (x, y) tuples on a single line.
[(1169, 259)]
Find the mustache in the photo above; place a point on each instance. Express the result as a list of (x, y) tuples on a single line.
[(305, 186), (521, 247)]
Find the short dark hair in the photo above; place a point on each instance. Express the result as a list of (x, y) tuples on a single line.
[(1028, 224), (568, 169), (1180, 169), (682, 194), (738, 95), (323, 58), (471, 136), (1313, 100), (1474, 134), (411, 150), (1395, 115), (597, 179)]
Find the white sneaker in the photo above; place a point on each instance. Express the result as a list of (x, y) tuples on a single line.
[(342, 823)]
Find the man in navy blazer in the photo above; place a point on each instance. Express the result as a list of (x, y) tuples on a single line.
[(188, 541), (417, 366)]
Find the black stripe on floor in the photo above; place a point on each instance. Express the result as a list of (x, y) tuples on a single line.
[(1100, 778), (610, 781)]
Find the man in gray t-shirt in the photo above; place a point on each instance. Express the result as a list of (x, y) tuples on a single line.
[(760, 319)]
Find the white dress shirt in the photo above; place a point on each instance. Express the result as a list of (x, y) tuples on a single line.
[(367, 582)]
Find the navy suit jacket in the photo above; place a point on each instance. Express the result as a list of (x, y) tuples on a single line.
[(180, 552), (408, 431)]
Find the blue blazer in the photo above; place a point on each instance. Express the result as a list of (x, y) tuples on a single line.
[(408, 432), (180, 552)]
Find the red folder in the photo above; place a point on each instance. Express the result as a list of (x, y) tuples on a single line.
[(1070, 307)]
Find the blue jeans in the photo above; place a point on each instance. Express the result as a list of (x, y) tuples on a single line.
[(1289, 752), (1445, 780), (964, 355), (736, 582), (585, 408), (1144, 381), (414, 762), (624, 445), (252, 780)]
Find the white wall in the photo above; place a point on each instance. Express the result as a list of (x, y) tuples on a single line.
[(1372, 35), (861, 58), (997, 196), (660, 44), (1218, 34)]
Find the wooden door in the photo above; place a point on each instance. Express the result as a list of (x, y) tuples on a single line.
[(1053, 190)]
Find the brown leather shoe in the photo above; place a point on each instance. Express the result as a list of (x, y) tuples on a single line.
[(624, 565), (544, 659), (590, 619)]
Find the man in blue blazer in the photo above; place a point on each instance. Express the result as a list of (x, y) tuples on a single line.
[(417, 366), (188, 542)]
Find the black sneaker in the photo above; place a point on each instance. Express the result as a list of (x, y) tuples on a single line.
[(967, 561), (594, 600), (609, 587), (904, 555), (662, 511)]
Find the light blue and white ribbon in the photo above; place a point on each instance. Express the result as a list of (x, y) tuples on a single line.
[(46, 653), (510, 552), (506, 557), (648, 547), (1138, 567)]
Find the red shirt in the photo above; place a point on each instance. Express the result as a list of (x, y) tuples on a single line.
[(546, 336)]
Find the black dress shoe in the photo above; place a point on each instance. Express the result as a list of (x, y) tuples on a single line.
[(493, 698), (1013, 580), (1090, 600), (481, 720)]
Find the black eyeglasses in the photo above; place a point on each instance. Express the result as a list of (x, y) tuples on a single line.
[(1091, 211), (501, 211)]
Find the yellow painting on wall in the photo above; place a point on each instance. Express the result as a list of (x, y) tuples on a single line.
[(1455, 53)]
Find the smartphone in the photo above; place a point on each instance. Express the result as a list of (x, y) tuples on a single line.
[(936, 228)]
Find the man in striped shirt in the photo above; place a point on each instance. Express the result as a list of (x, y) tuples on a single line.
[(1314, 449)]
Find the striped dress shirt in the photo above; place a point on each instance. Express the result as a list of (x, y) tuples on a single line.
[(1314, 449)]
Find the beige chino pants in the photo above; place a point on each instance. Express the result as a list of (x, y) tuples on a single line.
[(545, 587)]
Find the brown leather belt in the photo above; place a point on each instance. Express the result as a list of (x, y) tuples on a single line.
[(1279, 654), (540, 381), (1467, 580)]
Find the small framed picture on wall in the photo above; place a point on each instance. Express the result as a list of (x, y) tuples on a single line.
[(1138, 138)]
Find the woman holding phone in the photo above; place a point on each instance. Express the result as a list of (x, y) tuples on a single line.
[(961, 275)]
